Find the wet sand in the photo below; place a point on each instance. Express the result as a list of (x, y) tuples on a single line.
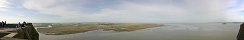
[(181, 31), (63, 29)]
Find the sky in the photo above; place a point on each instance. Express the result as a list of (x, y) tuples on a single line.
[(148, 11)]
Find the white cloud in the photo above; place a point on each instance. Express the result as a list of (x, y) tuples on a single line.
[(191, 11), (3, 5), (11, 19), (133, 11), (62, 8), (235, 11)]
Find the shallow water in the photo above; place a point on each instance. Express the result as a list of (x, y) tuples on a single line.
[(176, 31)]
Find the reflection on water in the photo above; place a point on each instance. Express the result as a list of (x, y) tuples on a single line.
[(186, 31)]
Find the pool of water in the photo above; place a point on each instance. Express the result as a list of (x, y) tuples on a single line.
[(171, 31)]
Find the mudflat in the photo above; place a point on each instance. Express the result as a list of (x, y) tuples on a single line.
[(61, 29)]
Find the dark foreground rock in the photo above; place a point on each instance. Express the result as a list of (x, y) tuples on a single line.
[(3, 34), (240, 35)]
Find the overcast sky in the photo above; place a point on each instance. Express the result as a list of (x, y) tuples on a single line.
[(152, 11)]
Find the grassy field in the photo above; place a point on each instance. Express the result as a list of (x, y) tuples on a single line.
[(61, 29)]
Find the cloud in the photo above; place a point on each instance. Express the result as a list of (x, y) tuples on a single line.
[(136, 11), (62, 8), (12, 19), (235, 11), (3, 5), (189, 10)]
